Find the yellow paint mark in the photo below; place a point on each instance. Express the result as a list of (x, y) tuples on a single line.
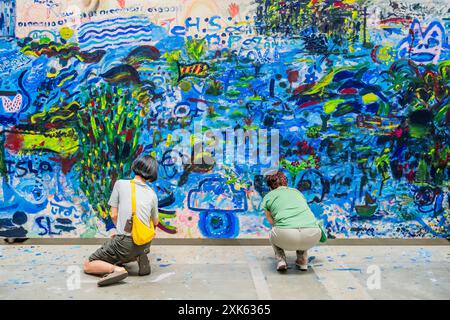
[(169, 140), (304, 60), (66, 33), (66, 79), (194, 140), (242, 23), (52, 75), (369, 98), (385, 54), (330, 106), (392, 126), (38, 116), (62, 141)]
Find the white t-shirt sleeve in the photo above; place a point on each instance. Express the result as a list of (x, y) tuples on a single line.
[(154, 213), (114, 198)]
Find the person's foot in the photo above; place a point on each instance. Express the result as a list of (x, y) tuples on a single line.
[(301, 266), (117, 275), (302, 260), (281, 266), (144, 265)]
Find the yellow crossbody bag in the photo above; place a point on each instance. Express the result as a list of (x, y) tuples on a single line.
[(140, 232)]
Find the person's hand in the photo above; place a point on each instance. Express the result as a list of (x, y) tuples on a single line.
[(112, 235)]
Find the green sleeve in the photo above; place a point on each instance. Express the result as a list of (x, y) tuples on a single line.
[(265, 201)]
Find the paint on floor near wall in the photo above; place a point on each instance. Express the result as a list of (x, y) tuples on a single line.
[(359, 92)]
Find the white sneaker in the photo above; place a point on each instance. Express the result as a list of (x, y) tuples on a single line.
[(281, 266), (302, 267)]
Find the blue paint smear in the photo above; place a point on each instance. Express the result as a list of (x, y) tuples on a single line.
[(348, 269), (164, 265)]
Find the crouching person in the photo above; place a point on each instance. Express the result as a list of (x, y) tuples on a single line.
[(294, 226), (134, 207)]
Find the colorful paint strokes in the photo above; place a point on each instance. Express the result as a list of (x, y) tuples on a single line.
[(359, 92)]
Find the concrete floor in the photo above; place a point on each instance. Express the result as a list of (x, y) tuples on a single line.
[(232, 272)]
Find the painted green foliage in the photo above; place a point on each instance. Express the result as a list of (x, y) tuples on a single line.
[(109, 136)]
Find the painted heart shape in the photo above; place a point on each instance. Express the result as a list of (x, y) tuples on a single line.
[(14, 105)]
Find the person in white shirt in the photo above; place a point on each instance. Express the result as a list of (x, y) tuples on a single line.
[(120, 248)]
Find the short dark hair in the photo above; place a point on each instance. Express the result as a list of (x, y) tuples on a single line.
[(276, 180), (146, 167)]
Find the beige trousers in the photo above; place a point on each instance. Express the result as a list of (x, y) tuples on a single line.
[(299, 240)]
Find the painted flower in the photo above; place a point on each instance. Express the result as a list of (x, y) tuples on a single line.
[(310, 77), (189, 219)]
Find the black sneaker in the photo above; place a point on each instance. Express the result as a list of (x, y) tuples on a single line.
[(144, 265)]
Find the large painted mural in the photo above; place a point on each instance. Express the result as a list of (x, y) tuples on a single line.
[(358, 90)]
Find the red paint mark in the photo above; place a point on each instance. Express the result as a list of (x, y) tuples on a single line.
[(197, 100), (66, 164), (162, 227), (49, 125), (14, 142), (121, 3), (292, 76), (129, 135), (340, 4), (398, 132), (303, 87), (410, 176), (304, 149), (307, 104), (248, 121), (348, 91), (139, 150), (405, 21), (373, 54)]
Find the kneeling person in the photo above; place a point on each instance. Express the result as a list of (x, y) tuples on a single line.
[(121, 249)]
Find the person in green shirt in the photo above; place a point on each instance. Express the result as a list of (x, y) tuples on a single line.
[(294, 224)]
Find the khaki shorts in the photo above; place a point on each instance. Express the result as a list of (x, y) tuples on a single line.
[(295, 239), (120, 249)]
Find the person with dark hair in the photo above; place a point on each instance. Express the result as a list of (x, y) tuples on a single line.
[(294, 225), (120, 248)]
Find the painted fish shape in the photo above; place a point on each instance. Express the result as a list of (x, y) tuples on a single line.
[(142, 54), (123, 73), (199, 69)]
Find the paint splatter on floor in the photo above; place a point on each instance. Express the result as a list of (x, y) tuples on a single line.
[(163, 276), (348, 269), (164, 265)]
